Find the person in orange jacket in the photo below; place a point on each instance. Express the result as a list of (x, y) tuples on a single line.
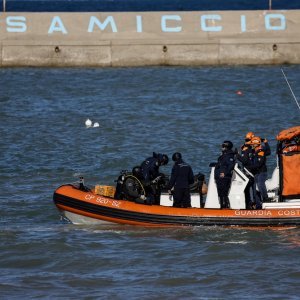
[(258, 168), (245, 157), (246, 147)]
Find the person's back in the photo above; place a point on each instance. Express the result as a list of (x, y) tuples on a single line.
[(181, 177), (150, 168)]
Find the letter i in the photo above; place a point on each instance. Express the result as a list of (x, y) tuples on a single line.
[(243, 23), (139, 24)]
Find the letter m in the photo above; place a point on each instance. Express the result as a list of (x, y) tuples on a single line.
[(109, 20)]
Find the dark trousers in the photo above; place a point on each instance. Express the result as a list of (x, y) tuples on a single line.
[(260, 181), (182, 197), (223, 187), (152, 194), (249, 196)]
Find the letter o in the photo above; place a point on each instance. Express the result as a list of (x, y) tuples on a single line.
[(280, 17)]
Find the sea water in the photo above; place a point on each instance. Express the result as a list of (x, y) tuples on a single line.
[(45, 143)]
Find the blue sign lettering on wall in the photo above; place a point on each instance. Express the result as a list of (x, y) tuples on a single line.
[(144, 5), (57, 26), (270, 18), (16, 24), (168, 24), (212, 18), (165, 27), (109, 20)]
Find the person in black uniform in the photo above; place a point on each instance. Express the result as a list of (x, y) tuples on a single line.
[(150, 166), (181, 177), (152, 177), (223, 173), (245, 158)]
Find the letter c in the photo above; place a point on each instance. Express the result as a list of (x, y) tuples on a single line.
[(204, 25), (164, 27)]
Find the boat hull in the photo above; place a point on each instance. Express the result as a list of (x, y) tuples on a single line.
[(82, 207)]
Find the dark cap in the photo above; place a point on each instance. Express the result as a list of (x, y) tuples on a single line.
[(227, 144), (176, 156)]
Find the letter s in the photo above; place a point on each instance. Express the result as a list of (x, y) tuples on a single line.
[(16, 24)]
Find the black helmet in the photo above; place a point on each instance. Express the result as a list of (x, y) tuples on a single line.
[(227, 144), (137, 172), (164, 159), (176, 156)]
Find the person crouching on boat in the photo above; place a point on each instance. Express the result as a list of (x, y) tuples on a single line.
[(152, 177), (223, 173), (179, 185), (258, 168)]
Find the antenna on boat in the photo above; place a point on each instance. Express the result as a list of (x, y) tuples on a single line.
[(290, 88)]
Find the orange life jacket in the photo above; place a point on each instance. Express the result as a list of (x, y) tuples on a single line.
[(291, 148), (288, 134), (289, 155)]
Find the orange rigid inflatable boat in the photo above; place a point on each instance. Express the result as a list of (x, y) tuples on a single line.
[(81, 205)]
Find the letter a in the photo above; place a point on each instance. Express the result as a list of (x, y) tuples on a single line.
[(57, 25)]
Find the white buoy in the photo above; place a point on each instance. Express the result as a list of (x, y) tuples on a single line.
[(88, 123), (96, 124)]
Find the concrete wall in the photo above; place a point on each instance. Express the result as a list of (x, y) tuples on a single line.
[(150, 38)]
